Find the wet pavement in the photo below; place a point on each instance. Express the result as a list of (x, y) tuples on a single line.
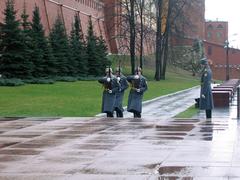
[(151, 148), (101, 148)]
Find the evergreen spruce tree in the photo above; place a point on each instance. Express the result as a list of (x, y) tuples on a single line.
[(78, 49), (13, 63), (42, 56), (93, 59), (26, 25), (1, 46), (27, 40), (61, 50), (102, 51)]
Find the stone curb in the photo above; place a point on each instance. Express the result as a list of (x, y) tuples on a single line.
[(169, 95), (158, 98)]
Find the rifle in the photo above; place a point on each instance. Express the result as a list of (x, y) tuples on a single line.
[(109, 72), (136, 81), (119, 67), (108, 84)]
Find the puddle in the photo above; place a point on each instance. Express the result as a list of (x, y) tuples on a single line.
[(172, 134), (20, 152), (2, 167), (88, 130), (84, 171), (175, 128), (3, 145), (173, 170), (82, 153), (95, 147), (65, 136), (206, 129), (28, 145), (105, 141), (133, 127), (187, 120), (19, 135), (70, 132), (152, 166), (174, 178), (46, 141), (207, 138), (171, 138), (162, 138), (135, 120), (9, 158), (67, 160)]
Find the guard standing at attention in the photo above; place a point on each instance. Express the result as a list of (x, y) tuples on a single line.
[(206, 98), (123, 85), (139, 86), (109, 94)]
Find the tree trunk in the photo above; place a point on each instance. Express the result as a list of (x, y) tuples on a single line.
[(132, 34), (158, 40), (165, 42), (165, 57), (142, 3)]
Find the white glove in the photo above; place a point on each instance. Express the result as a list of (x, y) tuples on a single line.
[(118, 79), (108, 79), (110, 91), (136, 77), (203, 96), (138, 90)]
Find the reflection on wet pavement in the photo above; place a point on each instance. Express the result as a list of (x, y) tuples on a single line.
[(101, 148)]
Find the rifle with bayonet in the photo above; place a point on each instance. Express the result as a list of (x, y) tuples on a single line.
[(136, 80), (108, 82)]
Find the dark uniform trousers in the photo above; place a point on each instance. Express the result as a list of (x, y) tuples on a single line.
[(208, 113), (118, 112)]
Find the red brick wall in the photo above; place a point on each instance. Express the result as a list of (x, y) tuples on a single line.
[(216, 31), (195, 12), (49, 9), (112, 21), (217, 55)]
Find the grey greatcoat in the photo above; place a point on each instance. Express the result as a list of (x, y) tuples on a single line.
[(108, 99), (206, 98), (135, 98), (120, 93)]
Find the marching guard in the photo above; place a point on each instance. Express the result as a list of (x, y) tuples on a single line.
[(123, 85), (139, 86), (109, 94)]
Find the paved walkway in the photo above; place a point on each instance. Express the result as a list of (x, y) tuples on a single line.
[(151, 148)]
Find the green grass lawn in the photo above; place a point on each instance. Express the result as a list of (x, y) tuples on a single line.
[(189, 113), (82, 98)]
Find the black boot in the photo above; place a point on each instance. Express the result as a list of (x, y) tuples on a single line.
[(109, 114), (119, 112), (208, 113)]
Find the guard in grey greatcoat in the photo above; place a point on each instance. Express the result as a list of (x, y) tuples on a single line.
[(123, 85), (139, 86), (206, 98), (109, 94)]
